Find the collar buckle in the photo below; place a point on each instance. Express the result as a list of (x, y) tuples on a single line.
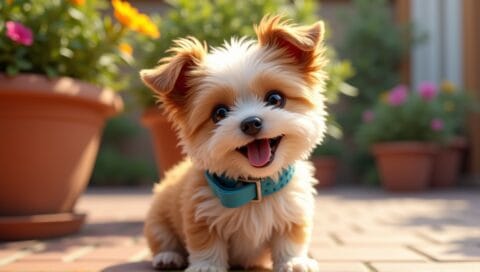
[(258, 187)]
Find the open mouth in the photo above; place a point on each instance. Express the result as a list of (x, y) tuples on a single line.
[(260, 152)]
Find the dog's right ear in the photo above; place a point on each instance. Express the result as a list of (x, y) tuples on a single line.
[(170, 78)]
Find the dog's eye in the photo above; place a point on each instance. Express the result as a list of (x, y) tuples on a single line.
[(275, 99), (219, 113)]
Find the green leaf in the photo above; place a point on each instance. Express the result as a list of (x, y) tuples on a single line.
[(51, 72), (12, 70)]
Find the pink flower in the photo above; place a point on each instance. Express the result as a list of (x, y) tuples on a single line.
[(427, 90), (437, 124), (398, 95), (19, 33), (368, 116)]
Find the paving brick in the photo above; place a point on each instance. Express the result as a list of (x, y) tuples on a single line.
[(322, 239), (112, 253), (365, 253), (427, 232), (427, 267), (452, 252), (45, 266), (8, 256), (457, 234), (342, 267), (52, 254), (18, 245), (381, 238)]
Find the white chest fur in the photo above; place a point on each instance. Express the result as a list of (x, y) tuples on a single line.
[(249, 229)]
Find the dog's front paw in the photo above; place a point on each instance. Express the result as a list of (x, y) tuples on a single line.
[(298, 264), (169, 260), (205, 267)]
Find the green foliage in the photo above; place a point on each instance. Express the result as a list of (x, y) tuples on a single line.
[(329, 147), (455, 105), (410, 121), (215, 21), (74, 40), (375, 45), (114, 167)]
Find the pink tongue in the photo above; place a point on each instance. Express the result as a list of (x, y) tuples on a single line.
[(259, 152)]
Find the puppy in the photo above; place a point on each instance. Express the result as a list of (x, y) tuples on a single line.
[(247, 114)]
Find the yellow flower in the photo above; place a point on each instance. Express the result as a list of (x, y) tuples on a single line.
[(129, 17), (448, 106), (146, 26), (125, 48), (447, 87), (125, 13)]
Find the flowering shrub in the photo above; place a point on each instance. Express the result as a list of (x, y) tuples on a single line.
[(404, 116), (454, 105), (69, 38)]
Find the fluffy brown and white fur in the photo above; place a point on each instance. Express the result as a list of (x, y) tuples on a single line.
[(187, 225)]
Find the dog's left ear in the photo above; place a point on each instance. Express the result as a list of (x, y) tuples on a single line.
[(301, 42)]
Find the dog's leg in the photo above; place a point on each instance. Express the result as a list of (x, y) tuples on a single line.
[(207, 252), (290, 250), (166, 248)]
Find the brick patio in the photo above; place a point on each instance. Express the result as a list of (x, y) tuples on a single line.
[(357, 230)]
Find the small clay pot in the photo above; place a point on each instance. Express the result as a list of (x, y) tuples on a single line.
[(165, 141), (325, 170), (447, 163), (405, 166)]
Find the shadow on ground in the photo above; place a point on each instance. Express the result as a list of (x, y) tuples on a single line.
[(449, 218)]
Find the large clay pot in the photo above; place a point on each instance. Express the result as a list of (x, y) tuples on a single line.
[(325, 170), (165, 141), (50, 133), (405, 166), (447, 163)]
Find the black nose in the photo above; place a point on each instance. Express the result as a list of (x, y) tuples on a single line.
[(251, 125)]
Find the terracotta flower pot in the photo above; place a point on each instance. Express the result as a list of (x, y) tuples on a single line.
[(325, 170), (405, 166), (165, 141), (50, 133), (446, 169)]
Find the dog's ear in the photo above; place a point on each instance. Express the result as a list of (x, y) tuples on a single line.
[(170, 78), (300, 42)]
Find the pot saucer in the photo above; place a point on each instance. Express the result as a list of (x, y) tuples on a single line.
[(39, 226)]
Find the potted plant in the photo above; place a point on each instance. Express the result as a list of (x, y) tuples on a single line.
[(325, 159), (58, 61), (454, 105), (402, 132)]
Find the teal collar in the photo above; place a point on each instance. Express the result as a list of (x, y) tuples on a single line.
[(235, 193)]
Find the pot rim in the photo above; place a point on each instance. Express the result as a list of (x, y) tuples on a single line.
[(66, 86), (400, 147)]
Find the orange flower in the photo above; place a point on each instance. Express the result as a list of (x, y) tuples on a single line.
[(125, 48), (129, 17), (125, 13), (146, 26), (78, 2)]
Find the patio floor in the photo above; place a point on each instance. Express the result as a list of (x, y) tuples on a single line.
[(357, 230)]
